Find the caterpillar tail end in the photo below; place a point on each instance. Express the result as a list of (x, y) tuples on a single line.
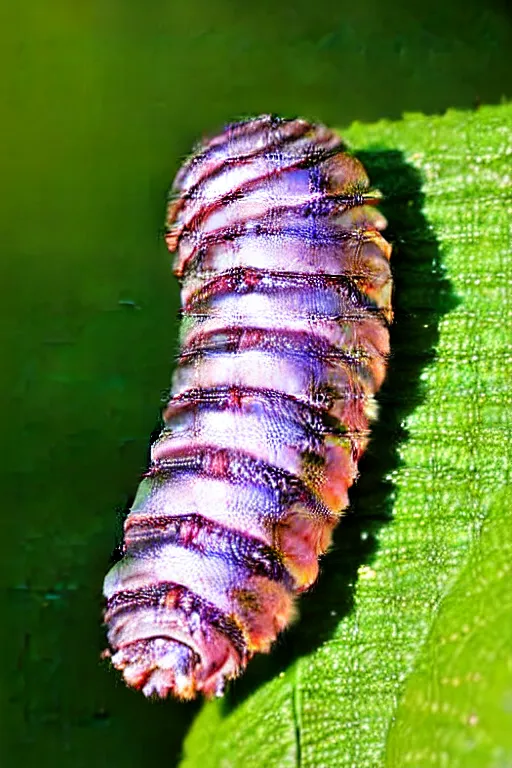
[(160, 667), (166, 640)]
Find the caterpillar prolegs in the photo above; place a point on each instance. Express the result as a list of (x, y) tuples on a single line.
[(286, 302)]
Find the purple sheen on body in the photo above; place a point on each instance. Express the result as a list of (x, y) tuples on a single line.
[(286, 297)]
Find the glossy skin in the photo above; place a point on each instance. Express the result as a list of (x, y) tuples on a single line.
[(286, 296)]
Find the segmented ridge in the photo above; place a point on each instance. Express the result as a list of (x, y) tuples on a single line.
[(239, 468), (170, 595), (277, 220), (240, 280), (197, 533), (244, 139)]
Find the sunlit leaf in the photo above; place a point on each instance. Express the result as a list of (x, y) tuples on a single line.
[(402, 653)]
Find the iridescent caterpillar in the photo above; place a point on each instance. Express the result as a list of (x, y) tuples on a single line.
[(286, 300)]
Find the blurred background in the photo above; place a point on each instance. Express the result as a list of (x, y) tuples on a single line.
[(100, 103)]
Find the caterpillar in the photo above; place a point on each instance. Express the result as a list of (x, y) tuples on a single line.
[(286, 304)]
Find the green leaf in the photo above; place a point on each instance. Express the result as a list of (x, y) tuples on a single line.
[(457, 705), (402, 653)]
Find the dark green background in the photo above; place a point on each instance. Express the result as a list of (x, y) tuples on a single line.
[(100, 102)]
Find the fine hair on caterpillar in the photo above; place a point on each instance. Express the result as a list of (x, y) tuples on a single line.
[(286, 303)]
